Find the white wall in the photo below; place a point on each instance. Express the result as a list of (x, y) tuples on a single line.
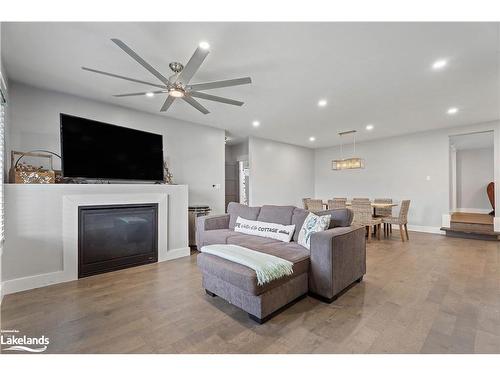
[(195, 153), (474, 173), (414, 167), (280, 173)]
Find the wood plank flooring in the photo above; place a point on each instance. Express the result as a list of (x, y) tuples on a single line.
[(433, 294)]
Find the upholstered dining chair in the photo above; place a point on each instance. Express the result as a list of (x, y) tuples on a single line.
[(314, 205), (337, 203), (401, 220), (384, 212), (363, 216)]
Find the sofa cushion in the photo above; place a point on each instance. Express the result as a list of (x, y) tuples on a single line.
[(237, 209), (298, 217), (250, 241), (245, 278), (276, 214), (216, 236)]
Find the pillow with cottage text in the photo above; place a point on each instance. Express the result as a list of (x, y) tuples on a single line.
[(260, 228)]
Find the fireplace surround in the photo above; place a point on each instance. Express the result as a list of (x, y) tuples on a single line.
[(41, 246)]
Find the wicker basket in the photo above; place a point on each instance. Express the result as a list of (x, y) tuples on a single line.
[(28, 174)]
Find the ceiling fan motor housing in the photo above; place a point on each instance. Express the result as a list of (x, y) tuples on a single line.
[(176, 67)]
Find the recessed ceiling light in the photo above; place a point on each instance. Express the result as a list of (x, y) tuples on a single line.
[(204, 45), (150, 94), (452, 110), (369, 127), (439, 64), (322, 103), (256, 123), (312, 139)]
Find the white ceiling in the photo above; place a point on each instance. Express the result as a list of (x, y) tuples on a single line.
[(378, 73)]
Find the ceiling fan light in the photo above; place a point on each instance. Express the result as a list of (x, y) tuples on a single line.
[(176, 93)]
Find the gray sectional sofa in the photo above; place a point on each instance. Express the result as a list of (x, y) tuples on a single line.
[(336, 260)]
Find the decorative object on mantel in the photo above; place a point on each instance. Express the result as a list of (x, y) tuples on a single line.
[(168, 177), (490, 190), (348, 163), (22, 173)]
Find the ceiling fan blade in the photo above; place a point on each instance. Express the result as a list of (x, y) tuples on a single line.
[(193, 65), (167, 103), (217, 84), (141, 93), (122, 77), (140, 60), (220, 99), (195, 104)]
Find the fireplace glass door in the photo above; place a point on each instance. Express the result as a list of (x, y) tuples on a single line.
[(112, 237)]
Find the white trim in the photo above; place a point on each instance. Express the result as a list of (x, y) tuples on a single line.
[(425, 229), (446, 220), (496, 224), (38, 281), (474, 210)]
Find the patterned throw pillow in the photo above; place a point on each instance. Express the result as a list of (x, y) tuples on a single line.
[(312, 224), (263, 229)]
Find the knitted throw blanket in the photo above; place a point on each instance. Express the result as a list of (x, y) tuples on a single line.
[(267, 267)]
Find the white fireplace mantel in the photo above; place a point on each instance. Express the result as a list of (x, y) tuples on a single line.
[(41, 246)]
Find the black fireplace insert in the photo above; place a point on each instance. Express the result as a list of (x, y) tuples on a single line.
[(112, 237)]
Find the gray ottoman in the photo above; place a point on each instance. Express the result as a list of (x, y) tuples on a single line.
[(237, 284)]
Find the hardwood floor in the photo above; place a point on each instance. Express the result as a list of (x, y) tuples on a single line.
[(433, 294)]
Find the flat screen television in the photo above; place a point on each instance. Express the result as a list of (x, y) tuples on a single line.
[(96, 150)]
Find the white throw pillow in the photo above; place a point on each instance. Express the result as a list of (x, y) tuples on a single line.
[(312, 224), (260, 228)]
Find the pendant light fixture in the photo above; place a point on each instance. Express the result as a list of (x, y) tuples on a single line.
[(348, 163)]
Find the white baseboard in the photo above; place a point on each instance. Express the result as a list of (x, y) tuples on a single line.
[(425, 229), (35, 281), (38, 281), (422, 228)]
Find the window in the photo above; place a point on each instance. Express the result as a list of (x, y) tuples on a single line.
[(2, 143)]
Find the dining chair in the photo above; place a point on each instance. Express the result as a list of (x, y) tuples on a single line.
[(363, 216), (361, 199), (401, 220), (314, 205), (337, 203), (304, 202), (383, 212)]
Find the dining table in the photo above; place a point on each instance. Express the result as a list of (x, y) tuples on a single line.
[(374, 205)]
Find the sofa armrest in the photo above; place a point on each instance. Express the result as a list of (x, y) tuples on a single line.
[(338, 258), (212, 222)]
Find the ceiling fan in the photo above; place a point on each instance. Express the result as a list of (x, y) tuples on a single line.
[(177, 85)]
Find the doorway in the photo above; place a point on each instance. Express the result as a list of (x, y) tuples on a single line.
[(472, 170)]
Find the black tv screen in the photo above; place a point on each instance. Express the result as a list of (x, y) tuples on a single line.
[(96, 150)]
